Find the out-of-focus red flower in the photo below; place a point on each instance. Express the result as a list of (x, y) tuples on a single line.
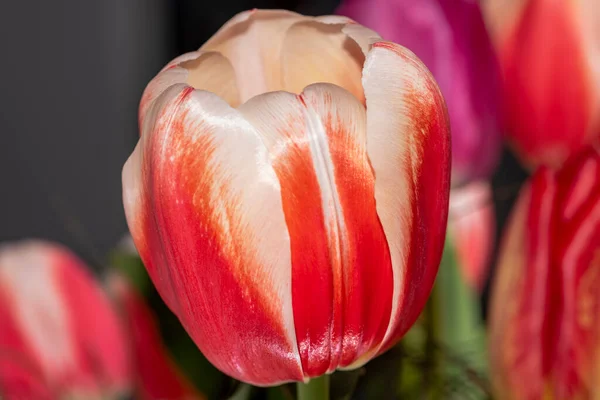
[(451, 39), (545, 308), (59, 335), (291, 233), (550, 57), (156, 376), (471, 230)]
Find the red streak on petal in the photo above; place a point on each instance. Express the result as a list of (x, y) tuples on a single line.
[(100, 346), (367, 280), (340, 253), (312, 258), (20, 372)]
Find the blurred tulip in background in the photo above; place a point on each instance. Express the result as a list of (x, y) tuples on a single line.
[(471, 231), (291, 233), (62, 337), (451, 39), (59, 335), (550, 57), (545, 314)]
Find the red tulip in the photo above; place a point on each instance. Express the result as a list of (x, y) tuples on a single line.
[(59, 336), (550, 57), (450, 37), (156, 376), (545, 309), (291, 233), (471, 230)]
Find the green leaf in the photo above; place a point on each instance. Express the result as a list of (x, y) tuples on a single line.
[(460, 331)]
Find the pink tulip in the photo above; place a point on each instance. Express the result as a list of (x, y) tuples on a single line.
[(289, 193), (471, 230), (451, 38), (545, 306), (59, 336)]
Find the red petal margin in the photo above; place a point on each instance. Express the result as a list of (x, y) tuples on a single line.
[(545, 311), (342, 278), (204, 209), (548, 84), (408, 138), (157, 377)]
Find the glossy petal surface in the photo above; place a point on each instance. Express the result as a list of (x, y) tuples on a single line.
[(545, 315), (204, 208), (317, 143)]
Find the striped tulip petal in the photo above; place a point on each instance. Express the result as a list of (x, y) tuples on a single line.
[(409, 149), (545, 312), (300, 231), (57, 326), (200, 177)]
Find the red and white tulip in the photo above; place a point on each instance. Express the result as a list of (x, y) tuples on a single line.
[(545, 307), (289, 193), (59, 334)]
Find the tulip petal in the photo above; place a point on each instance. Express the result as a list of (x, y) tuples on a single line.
[(252, 42), (545, 313), (204, 208), (409, 149), (58, 322), (208, 71), (317, 144), (318, 51), (19, 381), (551, 81)]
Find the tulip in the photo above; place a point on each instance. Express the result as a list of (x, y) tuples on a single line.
[(60, 337), (545, 320), (156, 375), (471, 230), (549, 53), (289, 193), (451, 38)]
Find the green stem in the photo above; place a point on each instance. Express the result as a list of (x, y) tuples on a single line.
[(432, 354), (315, 389)]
